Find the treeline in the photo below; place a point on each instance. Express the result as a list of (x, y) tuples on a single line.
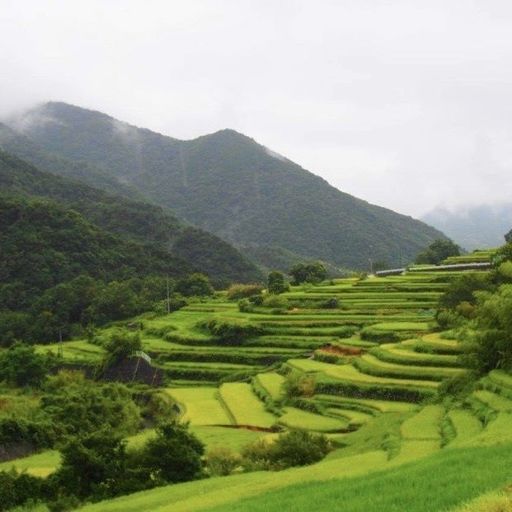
[(478, 308), (131, 220), (59, 273)]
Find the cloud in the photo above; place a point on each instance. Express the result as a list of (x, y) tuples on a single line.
[(403, 103)]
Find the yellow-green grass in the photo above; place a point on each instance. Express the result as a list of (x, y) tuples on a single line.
[(358, 484), (424, 425), (348, 373), (368, 363), (272, 383), (435, 343), (496, 501), (201, 405), (41, 464), (228, 437), (243, 405), (76, 351), (303, 420), (467, 426), (493, 400), (401, 326), (355, 418), (403, 353), (497, 431), (412, 449), (367, 404), (225, 491), (501, 378)]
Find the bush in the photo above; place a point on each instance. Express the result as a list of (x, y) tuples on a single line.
[(21, 365), (276, 283), (276, 302), (438, 251), (298, 384), (294, 448), (378, 336), (221, 461), (234, 332), (245, 306), (174, 455), (243, 291), (331, 303), (308, 273), (16, 489), (194, 285)]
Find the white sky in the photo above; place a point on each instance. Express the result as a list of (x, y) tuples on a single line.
[(407, 104)]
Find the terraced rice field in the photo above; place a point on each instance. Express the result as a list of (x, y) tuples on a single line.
[(368, 394), (243, 406)]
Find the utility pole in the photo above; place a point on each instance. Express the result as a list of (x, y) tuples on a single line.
[(59, 351), (371, 265), (168, 296)]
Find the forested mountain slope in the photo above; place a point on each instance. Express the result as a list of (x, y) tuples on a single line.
[(130, 219), (228, 184)]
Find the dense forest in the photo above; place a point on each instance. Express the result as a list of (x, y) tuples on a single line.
[(130, 219), (229, 185)]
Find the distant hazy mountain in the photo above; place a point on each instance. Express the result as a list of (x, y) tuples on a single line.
[(474, 227), (228, 184), (184, 246)]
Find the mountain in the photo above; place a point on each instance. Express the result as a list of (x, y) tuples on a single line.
[(228, 184), (45, 244), (131, 220), (18, 144), (475, 227)]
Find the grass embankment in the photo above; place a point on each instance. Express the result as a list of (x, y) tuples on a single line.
[(434, 484)]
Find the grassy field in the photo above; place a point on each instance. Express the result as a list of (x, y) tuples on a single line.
[(40, 464), (201, 405), (379, 361), (434, 484), (243, 405)]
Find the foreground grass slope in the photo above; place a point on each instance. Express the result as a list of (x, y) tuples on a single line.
[(436, 483)]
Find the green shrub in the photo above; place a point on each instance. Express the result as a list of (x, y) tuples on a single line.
[(298, 384), (243, 291), (20, 365), (276, 302), (18, 488), (294, 448), (221, 461), (245, 306), (276, 283), (379, 336), (232, 331)]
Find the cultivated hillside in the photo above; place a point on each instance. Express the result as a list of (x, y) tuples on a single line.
[(232, 186), (130, 219)]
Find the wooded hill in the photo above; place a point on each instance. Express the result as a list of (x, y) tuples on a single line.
[(230, 185), (131, 220)]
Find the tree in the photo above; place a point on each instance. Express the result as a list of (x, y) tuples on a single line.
[(463, 290), (79, 407), (92, 466), (174, 455), (294, 448), (437, 252), (276, 283), (492, 347), (194, 285), (21, 365), (308, 272), (121, 344)]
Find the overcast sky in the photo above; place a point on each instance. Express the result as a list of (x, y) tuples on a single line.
[(407, 104)]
